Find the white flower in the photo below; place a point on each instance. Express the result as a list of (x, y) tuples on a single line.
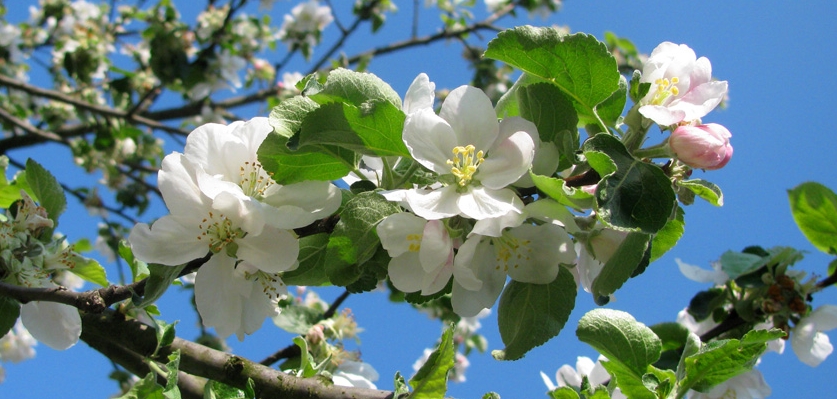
[(685, 319), (355, 374), (528, 254), (567, 376), (479, 156), (807, 338), (716, 276), (681, 85), (18, 344), (305, 22), (421, 251), (749, 385), (57, 325)]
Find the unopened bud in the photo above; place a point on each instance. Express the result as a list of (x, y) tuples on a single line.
[(703, 146)]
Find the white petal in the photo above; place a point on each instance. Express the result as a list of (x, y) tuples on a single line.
[(482, 203), (273, 251), (701, 100), (508, 159), (169, 241), (696, 273), (55, 324), (493, 227), (825, 317), (568, 377), (405, 272), (661, 115), (436, 204), (430, 140), (395, 229), (467, 303), (300, 204), (177, 180), (436, 246), (541, 250), (549, 385), (205, 145), (471, 116), (462, 270), (420, 95)]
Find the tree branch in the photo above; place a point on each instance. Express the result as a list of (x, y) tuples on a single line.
[(229, 369)]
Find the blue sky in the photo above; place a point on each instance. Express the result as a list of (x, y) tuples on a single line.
[(778, 59)]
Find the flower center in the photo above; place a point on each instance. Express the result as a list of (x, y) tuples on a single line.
[(272, 284), (465, 163), (511, 252), (254, 180), (665, 89), (218, 232), (415, 242)]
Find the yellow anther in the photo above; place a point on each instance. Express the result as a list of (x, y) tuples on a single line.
[(665, 89), (415, 242), (465, 163)]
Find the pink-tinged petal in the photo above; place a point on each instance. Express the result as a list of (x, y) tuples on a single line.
[(702, 72), (662, 115), (273, 251), (169, 241), (702, 99), (463, 273), (434, 282), (471, 116), (420, 95), (468, 303), (300, 204), (430, 140), (482, 203), (57, 325), (540, 251), (436, 246), (405, 272), (508, 159), (436, 204), (493, 227), (396, 230), (177, 180)]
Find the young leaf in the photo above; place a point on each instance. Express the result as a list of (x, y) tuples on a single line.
[(531, 314), (372, 130), (165, 334), (557, 189), (139, 269), (735, 264), (219, 390), (636, 195), (563, 393), (146, 388), (631, 383), (814, 209), (9, 312), (171, 390), (159, 280), (667, 237), (578, 64), (308, 163), (719, 361), (91, 270), (297, 319), (354, 239), (311, 270), (704, 189), (430, 381), (621, 338), (356, 88), (622, 265), (49, 193)]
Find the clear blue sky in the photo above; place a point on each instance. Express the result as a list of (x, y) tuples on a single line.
[(778, 59)]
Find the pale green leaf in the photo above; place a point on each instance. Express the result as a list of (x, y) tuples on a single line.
[(814, 208), (430, 381), (621, 338)]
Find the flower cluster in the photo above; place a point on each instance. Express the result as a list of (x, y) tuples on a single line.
[(302, 28), (681, 93), (223, 202), (472, 226)]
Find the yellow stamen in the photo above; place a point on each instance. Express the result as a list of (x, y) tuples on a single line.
[(465, 163), (665, 89)]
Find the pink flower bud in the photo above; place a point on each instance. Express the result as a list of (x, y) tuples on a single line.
[(703, 146)]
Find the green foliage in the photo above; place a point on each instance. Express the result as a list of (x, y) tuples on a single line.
[(9, 312), (159, 280), (430, 381), (622, 265), (146, 388), (10, 191), (90, 270), (218, 390), (814, 208), (48, 192), (621, 338), (667, 237), (554, 115), (578, 64), (354, 240), (165, 334), (375, 129), (632, 195), (558, 190), (312, 255), (563, 393), (139, 269), (531, 314), (704, 189), (297, 319)]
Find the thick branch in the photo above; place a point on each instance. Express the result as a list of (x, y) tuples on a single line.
[(219, 366)]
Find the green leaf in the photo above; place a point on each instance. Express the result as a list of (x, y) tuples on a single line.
[(610, 110), (48, 191), (719, 361), (430, 381), (814, 209), (636, 195), (558, 190), (308, 163), (622, 264), (564, 393), (629, 381), (354, 239), (219, 390), (735, 264), (172, 367), (554, 115), (159, 280), (139, 269), (704, 189), (90, 270), (306, 362), (297, 319), (621, 338), (146, 388), (10, 192), (9, 312), (165, 334), (401, 387), (311, 270), (672, 335), (667, 237), (704, 303), (356, 88), (491, 395), (578, 64), (531, 314), (374, 129)]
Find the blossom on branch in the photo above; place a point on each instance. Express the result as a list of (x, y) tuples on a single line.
[(808, 341), (703, 146), (682, 89)]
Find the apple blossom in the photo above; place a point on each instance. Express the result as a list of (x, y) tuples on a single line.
[(302, 27), (567, 376), (808, 341), (421, 251), (703, 146), (355, 374), (17, 345), (528, 254), (476, 156), (716, 276), (682, 89), (748, 385)]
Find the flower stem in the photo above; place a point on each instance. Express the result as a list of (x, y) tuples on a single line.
[(407, 175), (656, 151)]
